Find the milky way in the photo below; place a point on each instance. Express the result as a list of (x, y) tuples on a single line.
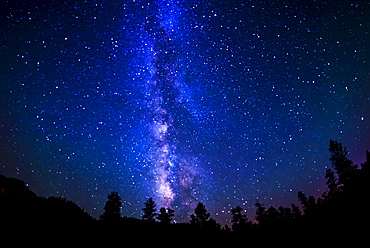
[(182, 101), (172, 170)]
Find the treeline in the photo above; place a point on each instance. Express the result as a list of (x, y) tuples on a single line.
[(342, 208)]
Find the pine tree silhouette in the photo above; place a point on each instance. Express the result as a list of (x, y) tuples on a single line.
[(239, 220), (112, 209), (308, 203), (149, 210), (165, 215), (343, 166), (260, 212), (201, 215)]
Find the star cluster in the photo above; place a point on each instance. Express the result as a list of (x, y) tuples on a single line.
[(183, 101)]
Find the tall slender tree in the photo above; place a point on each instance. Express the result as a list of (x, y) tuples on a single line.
[(260, 212), (149, 211), (112, 208)]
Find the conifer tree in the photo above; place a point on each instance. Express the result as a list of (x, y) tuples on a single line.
[(112, 208), (343, 166), (165, 215), (240, 221), (201, 215), (149, 210), (260, 212)]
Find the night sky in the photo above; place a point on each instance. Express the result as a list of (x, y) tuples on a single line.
[(219, 102)]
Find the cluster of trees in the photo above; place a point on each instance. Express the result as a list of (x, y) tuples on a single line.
[(113, 206), (340, 207), (200, 218)]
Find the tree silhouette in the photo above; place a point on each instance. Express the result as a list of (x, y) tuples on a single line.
[(237, 214), (112, 208), (331, 183), (343, 166), (296, 212), (149, 210), (308, 203), (366, 166), (201, 215), (285, 214), (342, 175), (260, 212), (272, 217), (165, 215), (239, 220)]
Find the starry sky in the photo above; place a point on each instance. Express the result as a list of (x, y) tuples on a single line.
[(184, 101)]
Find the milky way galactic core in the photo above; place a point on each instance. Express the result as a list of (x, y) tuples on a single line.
[(182, 101)]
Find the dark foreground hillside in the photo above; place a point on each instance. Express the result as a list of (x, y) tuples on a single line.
[(20, 205)]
